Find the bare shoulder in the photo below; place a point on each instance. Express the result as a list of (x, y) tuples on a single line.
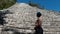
[(41, 18)]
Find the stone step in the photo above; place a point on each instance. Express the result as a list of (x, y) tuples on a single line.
[(51, 33)]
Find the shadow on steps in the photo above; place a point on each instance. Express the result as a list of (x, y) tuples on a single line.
[(14, 31), (2, 16)]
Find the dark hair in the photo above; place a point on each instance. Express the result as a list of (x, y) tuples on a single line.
[(38, 14)]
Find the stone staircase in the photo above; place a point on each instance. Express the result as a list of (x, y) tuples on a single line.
[(23, 18)]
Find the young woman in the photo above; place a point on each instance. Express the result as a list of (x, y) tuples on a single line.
[(38, 23)]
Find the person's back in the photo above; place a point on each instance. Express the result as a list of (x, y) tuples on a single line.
[(38, 23)]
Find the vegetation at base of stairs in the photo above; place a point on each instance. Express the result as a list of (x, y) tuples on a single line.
[(6, 3)]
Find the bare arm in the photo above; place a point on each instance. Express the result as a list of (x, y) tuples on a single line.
[(40, 22)]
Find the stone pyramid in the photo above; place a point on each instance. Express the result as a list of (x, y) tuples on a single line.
[(24, 17)]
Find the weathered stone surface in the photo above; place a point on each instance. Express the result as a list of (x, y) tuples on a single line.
[(24, 17)]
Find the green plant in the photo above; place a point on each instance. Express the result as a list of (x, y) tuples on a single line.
[(6, 3)]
